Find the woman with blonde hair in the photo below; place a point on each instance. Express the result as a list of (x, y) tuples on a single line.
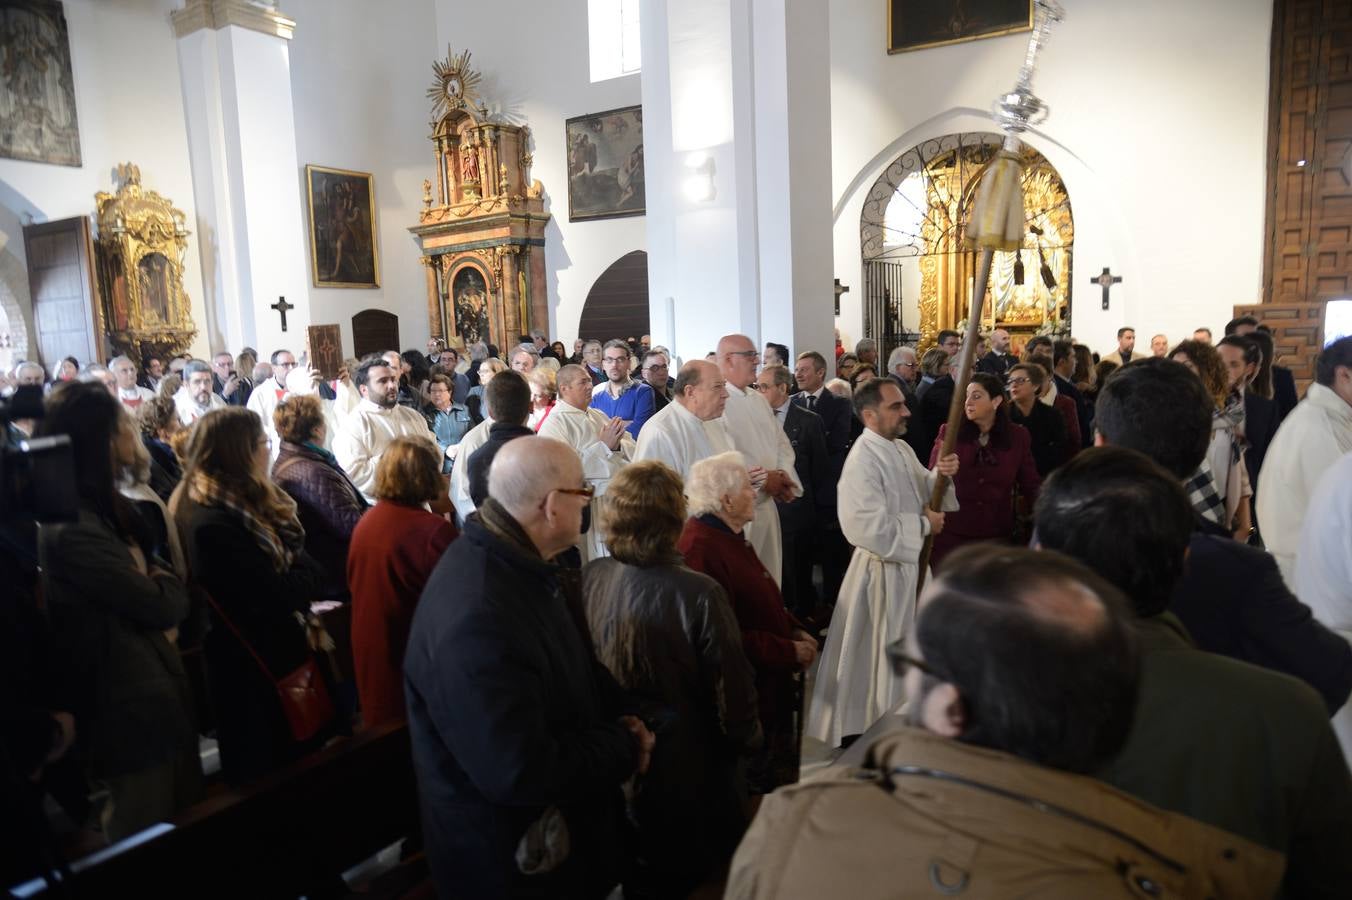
[(670, 638), (394, 548), (543, 394), (246, 549)]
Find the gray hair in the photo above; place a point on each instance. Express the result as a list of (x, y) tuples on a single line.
[(478, 351), (524, 348), (29, 364), (840, 387), (865, 345), (537, 333), (713, 479), (898, 356), (193, 367), (778, 374), (120, 359)]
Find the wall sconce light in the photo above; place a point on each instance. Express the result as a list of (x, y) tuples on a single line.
[(698, 184)]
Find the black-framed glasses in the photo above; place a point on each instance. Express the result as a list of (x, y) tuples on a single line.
[(615, 359), (902, 661), (1013, 381), (587, 491)]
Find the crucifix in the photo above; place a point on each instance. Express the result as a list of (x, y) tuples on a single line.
[(840, 289), (283, 307), (1106, 281)]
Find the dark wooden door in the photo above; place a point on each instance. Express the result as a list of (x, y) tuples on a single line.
[(374, 331), (61, 283), (617, 304), (1309, 205)]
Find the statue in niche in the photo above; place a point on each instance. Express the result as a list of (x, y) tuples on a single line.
[(154, 275), (469, 165), (470, 301)]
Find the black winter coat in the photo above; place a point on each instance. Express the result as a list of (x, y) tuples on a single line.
[(510, 714)]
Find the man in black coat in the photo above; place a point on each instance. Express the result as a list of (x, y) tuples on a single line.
[(520, 737), (1063, 366), (999, 359), (837, 417), (509, 404), (1231, 598), (801, 519)]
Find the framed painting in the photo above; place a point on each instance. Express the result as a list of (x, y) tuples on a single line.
[(37, 93), (916, 24), (342, 228), (605, 164)]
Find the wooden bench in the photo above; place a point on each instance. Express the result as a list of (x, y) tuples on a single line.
[(293, 833)]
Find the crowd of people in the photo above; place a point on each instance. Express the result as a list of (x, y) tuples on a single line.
[(610, 592)]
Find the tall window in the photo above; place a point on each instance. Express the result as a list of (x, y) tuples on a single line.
[(613, 33)]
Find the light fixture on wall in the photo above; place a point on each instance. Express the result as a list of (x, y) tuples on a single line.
[(698, 184)]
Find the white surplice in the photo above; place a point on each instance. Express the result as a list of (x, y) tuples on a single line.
[(580, 429), (757, 434), (475, 438), (365, 434), (881, 498), (677, 437), (1324, 567)]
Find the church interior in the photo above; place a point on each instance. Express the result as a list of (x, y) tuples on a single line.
[(182, 180)]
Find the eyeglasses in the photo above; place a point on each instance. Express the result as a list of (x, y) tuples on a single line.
[(587, 491), (749, 354), (615, 359), (910, 365), (655, 368), (902, 661), (1013, 381), (284, 365)]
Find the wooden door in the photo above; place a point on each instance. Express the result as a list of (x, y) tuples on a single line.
[(374, 331), (61, 281), (617, 304)]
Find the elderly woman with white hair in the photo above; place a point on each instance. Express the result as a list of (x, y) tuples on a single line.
[(722, 503)]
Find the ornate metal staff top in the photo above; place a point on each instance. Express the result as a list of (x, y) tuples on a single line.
[(1018, 109)]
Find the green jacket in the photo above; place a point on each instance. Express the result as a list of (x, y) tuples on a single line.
[(1245, 749)]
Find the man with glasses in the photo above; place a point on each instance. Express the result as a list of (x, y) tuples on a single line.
[(195, 398), (882, 501), (591, 358), (518, 731), (751, 425), (131, 394), (266, 395), (979, 783), (656, 372), (225, 382), (620, 395)]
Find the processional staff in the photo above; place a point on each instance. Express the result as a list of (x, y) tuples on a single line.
[(996, 223)]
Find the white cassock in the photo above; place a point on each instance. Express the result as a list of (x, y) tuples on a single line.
[(755, 431), (263, 401), (189, 411), (579, 429), (1308, 443), (346, 398), (475, 438), (678, 437), (365, 434), (881, 498), (1324, 567)]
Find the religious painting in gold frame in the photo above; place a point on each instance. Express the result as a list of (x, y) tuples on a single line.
[(343, 251), (917, 24)]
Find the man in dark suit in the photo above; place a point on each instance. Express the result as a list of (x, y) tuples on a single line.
[(800, 519), (999, 359), (838, 421), (904, 369), (1063, 366), (1283, 381)]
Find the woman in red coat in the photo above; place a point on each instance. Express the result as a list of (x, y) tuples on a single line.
[(722, 502), (394, 548), (994, 457)]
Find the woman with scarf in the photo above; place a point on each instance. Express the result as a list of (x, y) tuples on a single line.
[(246, 548), (328, 504), (1225, 505)]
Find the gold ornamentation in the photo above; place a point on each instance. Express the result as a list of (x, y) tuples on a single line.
[(456, 85)]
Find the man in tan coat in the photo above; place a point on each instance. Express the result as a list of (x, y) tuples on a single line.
[(1022, 668)]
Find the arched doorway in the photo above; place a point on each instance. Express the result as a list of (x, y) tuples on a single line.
[(911, 231), (617, 304)]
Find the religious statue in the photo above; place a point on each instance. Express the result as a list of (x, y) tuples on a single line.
[(469, 165)]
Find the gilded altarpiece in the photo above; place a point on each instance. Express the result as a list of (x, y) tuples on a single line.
[(918, 209), (481, 229), (142, 240)]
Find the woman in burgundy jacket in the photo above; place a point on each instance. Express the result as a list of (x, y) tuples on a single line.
[(995, 456), (722, 502), (394, 549)]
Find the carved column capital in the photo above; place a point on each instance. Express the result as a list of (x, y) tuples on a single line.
[(255, 15)]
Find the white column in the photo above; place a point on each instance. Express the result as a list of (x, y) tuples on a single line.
[(247, 181), (745, 84)]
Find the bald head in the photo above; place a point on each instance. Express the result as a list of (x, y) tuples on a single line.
[(701, 390), (571, 374), (528, 478), (737, 359)]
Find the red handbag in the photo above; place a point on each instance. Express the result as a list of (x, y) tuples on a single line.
[(303, 694)]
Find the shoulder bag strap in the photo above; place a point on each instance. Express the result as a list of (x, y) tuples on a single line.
[(247, 646)]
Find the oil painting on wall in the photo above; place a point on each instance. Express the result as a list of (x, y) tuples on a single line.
[(342, 228), (605, 164), (37, 89), (916, 24)]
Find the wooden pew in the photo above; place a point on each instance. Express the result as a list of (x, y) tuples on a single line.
[(293, 833)]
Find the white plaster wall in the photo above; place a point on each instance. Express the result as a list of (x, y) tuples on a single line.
[(1158, 126), (130, 107), (359, 76), (534, 59)]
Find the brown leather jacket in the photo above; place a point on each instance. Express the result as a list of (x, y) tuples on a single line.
[(929, 817)]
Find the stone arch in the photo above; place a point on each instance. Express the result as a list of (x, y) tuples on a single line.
[(617, 304)]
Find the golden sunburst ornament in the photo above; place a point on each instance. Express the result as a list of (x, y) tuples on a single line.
[(457, 85)]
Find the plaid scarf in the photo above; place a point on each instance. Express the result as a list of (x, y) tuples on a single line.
[(280, 535), (1232, 417), (1201, 488)]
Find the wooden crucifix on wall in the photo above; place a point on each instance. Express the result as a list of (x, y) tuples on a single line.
[(1106, 281)]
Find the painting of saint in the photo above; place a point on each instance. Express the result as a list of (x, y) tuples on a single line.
[(470, 305), (605, 165), (916, 24), (342, 228), (153, 271), (37, 89)]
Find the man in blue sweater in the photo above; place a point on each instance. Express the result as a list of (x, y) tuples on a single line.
[(620, 395)]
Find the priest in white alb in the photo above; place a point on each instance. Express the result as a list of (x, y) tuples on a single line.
[(759, 437), (600, 441), (882, 500), (689, 428)]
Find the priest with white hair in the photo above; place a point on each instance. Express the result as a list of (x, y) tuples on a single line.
[(759, 436), (601, 442)]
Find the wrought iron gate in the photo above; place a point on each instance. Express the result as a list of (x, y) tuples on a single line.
[(882, 309)]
